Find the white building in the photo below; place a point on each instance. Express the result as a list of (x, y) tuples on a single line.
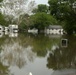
[(54, 29), (34, 30), (13, 28)]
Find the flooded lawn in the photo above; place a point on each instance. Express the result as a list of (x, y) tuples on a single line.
[(30, 54)]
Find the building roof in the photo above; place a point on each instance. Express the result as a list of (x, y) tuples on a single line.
[(55, 27)]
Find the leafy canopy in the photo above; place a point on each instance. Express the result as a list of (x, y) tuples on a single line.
[(42, 20)]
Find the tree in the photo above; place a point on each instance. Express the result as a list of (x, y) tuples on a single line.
[(41, 8), (24, 22), (64, 11), (14, 8), (42, 20), (70, 21), (2, 20), (59, 8), (53, 6)]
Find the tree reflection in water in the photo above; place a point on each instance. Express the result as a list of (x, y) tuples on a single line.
[(13, 54), (62, 58)]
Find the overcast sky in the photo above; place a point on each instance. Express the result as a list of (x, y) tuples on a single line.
[(41, 1)]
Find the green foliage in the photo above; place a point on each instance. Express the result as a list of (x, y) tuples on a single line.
[(24, 22), (42, 20), (53, 6), (70, 21), (2, 20), (41, 8), (35, 10), (1, 0), (60, 8), (22, 26), (64, 12)]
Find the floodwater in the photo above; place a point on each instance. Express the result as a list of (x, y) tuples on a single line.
[(37, 54)]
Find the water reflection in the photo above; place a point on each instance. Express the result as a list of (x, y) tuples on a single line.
[(14, 54), (13, 34), (1, 34), (3, 69), (65, 72), (18, 53), (39, 54), (63, 57), (10, 34)]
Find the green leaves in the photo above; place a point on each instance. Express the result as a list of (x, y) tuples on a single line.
[(2, 20), (42, 20), (1, 0), (41, 8), (64, 12)]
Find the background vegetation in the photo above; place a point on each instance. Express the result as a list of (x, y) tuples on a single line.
[(59, 12)]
